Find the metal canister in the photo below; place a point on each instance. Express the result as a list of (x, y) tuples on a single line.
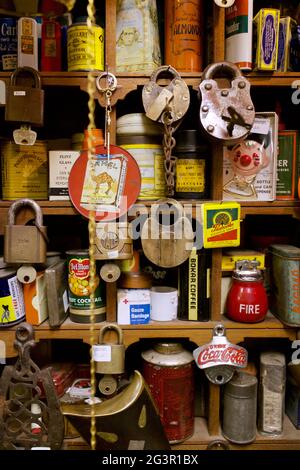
[(80, 290), (84, 52), (8, 44), (285, 283), (169, 371), (12, 309), (240, 409)]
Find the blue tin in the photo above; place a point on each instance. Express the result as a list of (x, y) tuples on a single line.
[(285, 283), (8, 44)]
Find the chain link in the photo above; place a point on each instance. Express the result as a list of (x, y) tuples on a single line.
[(169, 143)]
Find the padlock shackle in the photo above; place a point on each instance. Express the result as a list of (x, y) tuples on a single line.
[(223, 69), (20, 204), (164, 68), (111, 326), (27, 70)]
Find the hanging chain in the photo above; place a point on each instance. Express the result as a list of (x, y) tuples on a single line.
[(91, 89), (169, 143), (108, 94)]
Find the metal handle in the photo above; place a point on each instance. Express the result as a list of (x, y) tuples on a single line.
[(224, 69), (111, 326), (21, 203), (29, 70)]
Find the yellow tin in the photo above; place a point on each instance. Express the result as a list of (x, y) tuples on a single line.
[(221, 224), (24, 170), (85, 51), (266, 34), (230, 257)]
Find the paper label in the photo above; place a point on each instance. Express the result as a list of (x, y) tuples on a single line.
[(102, 353)]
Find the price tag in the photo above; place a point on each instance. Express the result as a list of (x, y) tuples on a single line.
[(101, 353), (261, 126)]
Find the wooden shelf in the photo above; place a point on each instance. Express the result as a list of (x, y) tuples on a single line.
[(197, 332)]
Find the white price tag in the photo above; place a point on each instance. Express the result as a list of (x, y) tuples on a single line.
[(19, 93), (102, 353), (112, 254), (261, 126)]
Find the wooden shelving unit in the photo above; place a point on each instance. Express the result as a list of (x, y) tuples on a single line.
[(199, 333)]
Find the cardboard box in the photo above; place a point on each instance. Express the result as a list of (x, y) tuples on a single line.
[(134, 306), (266, 33), (250, 167), (287, 28), (287, 171), (230, 257), (60, 164)]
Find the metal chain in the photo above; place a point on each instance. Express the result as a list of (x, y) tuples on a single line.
[(169, 143), (91, 89)]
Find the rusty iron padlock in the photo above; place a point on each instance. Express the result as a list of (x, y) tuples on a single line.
[(226, 114), (112, 241), (25, 243), (109, 358), (167, 244), (175, 96), (24, 97)]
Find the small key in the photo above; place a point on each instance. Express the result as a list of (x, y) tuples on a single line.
[(24, 135)]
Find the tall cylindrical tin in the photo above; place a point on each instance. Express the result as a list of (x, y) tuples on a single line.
[(271, 393), (85, 52), (24, 170), (143, 139), (239, 409), (191, 166), (285, 283), (8, 44), (184, 35), (78, 263), (169, 371), (137, 36), (12, 309), (238, 34), (51, 46)]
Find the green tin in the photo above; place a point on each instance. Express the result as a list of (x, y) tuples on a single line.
[(285, 283), (287, 161), (78, 263)]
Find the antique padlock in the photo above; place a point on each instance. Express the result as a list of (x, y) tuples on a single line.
[(24, 97), (226, 114), (112, 241), (109, 358), (220, 358), (25, 243), (167, 244), (175, 96)]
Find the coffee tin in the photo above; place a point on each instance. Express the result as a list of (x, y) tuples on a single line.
[(8, 44), (78, 263), (12, 310), (84, 52)]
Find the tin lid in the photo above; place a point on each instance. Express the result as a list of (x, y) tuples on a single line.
[(137, 124), (286, 251), (241, 385), (77, 253), (189, 140), (167, 354), (246, 270), (272, 358), (135, 280)]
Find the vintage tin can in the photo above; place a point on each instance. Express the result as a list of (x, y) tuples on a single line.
[(8, 44), (169, 371), (266, 33), (85, 53), (24, 170), (271, 393), (238, 34), (184, 35), (285, 283), (51, 46), (12, 310), (79, 288), (239, 409)]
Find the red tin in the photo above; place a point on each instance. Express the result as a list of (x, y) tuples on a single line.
[(51, 46)]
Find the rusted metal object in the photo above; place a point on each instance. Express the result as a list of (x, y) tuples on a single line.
[(25, 420), (226, 114)]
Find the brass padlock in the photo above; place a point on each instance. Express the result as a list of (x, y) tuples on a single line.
[(25, 243), (167, 244), (109, 358), (24, 97), (226, 114), (175, 96), (112, 241)]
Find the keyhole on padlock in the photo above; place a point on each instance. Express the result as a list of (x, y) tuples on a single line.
[(219, 379)]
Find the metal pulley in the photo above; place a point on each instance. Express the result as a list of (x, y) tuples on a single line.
[(219, 358), (226, 114)]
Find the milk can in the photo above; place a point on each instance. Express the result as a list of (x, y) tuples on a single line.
[(169, 371), (247, 300)]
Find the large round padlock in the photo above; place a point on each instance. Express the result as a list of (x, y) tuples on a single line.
[(109, 358), (113, 241), (174, 97), (165, 243), (226, 114)]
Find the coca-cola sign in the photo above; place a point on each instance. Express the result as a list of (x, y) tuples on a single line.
[(220, 352)]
